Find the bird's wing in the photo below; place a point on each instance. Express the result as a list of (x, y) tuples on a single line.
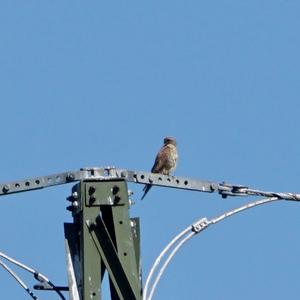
[(160, 160)]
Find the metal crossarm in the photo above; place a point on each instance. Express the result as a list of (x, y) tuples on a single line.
[(107, 173), (49, 180), (112, 173), (167, 181)]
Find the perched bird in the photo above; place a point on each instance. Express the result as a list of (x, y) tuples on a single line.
[(165, 161)]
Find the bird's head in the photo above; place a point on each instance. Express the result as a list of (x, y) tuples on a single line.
[(170, 140)]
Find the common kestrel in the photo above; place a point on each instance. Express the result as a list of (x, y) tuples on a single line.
[(165, 161)]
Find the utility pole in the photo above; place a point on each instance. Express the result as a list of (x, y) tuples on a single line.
[(103, 237)]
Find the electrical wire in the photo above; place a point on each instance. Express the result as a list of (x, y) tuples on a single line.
[(179, 245), (244, 207), (157, 261), (38, 276), (18, 279), (197, 227)]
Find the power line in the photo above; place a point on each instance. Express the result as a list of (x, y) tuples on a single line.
[(38, 276), (18, 279), (186, 235)]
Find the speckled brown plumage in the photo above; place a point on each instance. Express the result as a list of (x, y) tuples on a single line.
[(165, 161)]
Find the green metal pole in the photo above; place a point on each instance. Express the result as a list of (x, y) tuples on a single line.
[(108, 239)]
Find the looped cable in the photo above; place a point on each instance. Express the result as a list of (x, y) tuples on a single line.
[(186, 235), (38, 276)]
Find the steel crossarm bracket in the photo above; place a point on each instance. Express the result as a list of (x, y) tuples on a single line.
[(51, 180), (140, 177), (107, 173), (165, 180)]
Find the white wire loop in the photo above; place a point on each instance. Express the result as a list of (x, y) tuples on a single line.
[(38, 276), (19, 280), (186, 235)]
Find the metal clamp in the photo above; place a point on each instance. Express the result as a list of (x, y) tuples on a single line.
[(226, 189), (200, 225)]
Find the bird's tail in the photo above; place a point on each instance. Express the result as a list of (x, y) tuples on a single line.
[(146, 189)]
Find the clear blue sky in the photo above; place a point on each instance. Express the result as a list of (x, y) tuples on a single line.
[(96, 84)]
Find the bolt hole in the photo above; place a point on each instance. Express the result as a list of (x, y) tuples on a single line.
[(27, 183), (125, 253), (5, 188), (186, 182), (143, 176), (169, 179), (37, 181), (121, 222), (17, 185), (92, 190), (177, 181), (93, 294), (115, 190), (117, 199), (159, 178)]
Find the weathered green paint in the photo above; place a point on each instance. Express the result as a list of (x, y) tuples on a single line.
[(108, 239), (89, 257), (120, 283)]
